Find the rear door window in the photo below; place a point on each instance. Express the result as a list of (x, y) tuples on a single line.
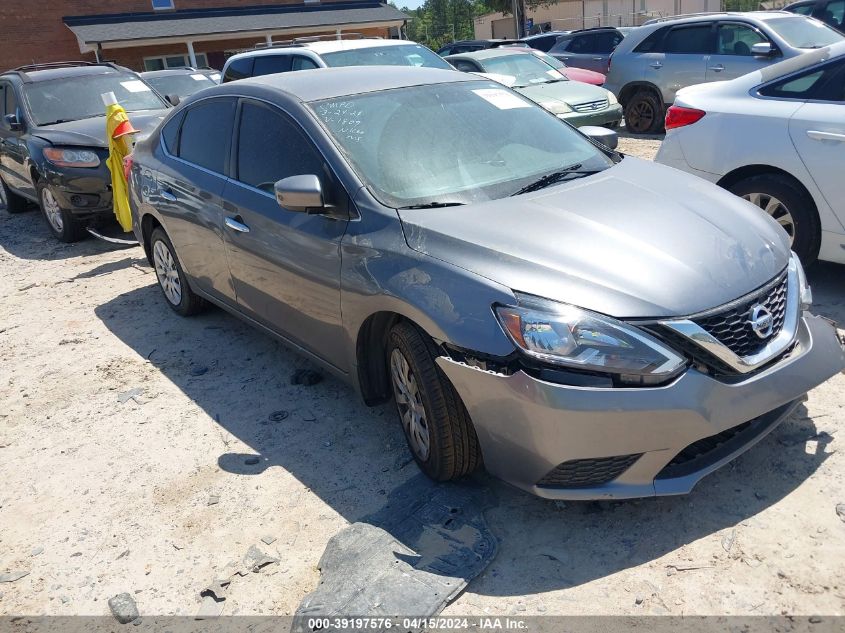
[(270, 64), (238, 69), (583, 44), (206, 134), (689, 40)]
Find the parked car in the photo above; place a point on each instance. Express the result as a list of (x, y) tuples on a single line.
[(663, 56), (53, 145), (831, 12), (775, 137), (307, 55), (575, 102), (588, 48), (468, 46), (541, 41), (177, 83), (573, 74), (370, 219)]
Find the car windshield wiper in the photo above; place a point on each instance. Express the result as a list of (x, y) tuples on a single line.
[(433, 205), (556, 176)]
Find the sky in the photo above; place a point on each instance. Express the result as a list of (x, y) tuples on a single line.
[(411, 4)]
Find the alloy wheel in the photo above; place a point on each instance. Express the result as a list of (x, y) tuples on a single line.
[(409, 403), (52, 210), (167, 273), (776, 209)]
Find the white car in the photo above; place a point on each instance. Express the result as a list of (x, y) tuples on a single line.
[(776, 137)]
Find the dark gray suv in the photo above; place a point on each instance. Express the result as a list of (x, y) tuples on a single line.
[(508, 291)]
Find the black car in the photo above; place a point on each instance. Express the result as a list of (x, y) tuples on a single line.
[(468, 46), (179, 82), (53, 145), (588, 48), (831, 12), (544, 41)]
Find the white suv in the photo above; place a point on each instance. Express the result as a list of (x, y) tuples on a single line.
[(306, 55)]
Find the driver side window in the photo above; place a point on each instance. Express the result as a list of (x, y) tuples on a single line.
[(272, 147)]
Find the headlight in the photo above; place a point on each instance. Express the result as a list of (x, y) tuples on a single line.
[(806, 294), (71, 157), (565, 335), (611, 98), (557, 107)]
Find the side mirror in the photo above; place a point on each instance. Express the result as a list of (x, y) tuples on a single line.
[(300, 193), (172, 99), (762, 49), (602, 135), (13, 123)]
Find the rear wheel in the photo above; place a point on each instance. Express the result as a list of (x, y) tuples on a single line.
[(60, 221), (12, 201), (791, 207), (644, 113), (171, 278), (436, 423)]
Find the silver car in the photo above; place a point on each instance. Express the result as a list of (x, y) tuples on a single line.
[(510, 292), (656, 60)]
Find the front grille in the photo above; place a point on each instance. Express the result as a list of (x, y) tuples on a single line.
[(732, 328), (590, 106), (586, 473)]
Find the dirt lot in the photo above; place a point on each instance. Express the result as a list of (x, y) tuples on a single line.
[(153, 494)]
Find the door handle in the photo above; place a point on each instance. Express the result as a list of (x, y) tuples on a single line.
[(656, 65), (717, 68), (825, 136), (168, 195), (598, 59), (236, 225)]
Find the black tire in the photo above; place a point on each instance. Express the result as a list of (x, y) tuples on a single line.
[(644, 113), (189, 303), (64, 227), (805, 230), (13, 202), (453, 449)]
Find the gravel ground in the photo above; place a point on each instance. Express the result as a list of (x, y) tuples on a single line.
[(142, 453)]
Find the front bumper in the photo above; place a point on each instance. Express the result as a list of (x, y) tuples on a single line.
[(533, 431), (610, 115), (85, 192)]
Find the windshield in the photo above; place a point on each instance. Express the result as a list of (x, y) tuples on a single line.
[(554, 62), (76, 98), (804, 33), (452, 143), (400, 55), (525, 68), (182, 85)]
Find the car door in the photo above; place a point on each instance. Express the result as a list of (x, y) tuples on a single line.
[(285, 264), (732, 57), (680, 58), (579, 53), (189, 186), (13, 151), (817, 129)]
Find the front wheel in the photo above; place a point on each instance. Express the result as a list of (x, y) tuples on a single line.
[(171, 278), (60, 221), (436, 423), (791, 207)]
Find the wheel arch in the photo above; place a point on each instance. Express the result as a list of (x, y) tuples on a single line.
[(148, 224), (630, 89)]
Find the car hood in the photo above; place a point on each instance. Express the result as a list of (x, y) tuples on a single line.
[(92, 132), (552, 96), (638, 240)]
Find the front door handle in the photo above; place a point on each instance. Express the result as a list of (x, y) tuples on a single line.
[(825, 136), (717, 68), (168, 195), (656, 65), (236, 225), (598, 59)]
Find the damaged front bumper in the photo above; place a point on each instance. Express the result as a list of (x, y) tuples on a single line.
[(566, 442)]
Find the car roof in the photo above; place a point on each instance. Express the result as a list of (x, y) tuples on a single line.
[(800, 62), (546, 34), (174, 71), (702, 17), (47, 74), (327, 46), (327, 83), (489, 53)]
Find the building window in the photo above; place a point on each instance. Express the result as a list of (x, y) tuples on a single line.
[(173, 61), (163, 5)]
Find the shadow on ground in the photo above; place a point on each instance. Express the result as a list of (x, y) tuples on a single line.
[(542, 545)]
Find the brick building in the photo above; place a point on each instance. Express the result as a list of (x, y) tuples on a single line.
[(155, 34)]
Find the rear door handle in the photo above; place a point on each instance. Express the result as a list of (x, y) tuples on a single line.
[(656, 65), (717, 68), (168, 195), (598, 59), (825, 136), (236, 225)]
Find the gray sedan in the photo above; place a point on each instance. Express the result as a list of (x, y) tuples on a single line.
[(531, 301)]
